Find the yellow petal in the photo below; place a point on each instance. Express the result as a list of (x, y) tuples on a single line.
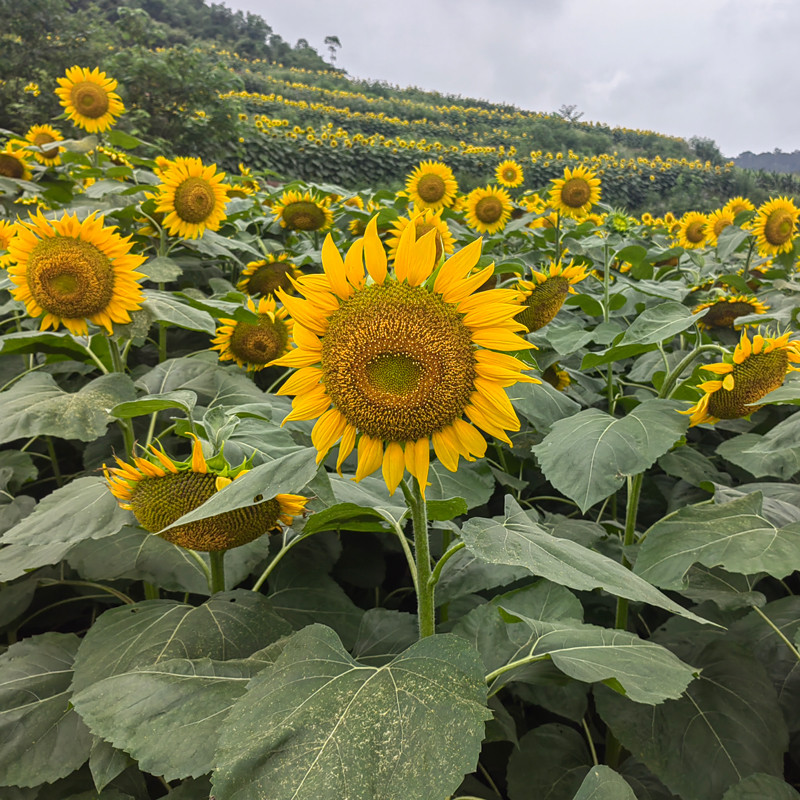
[(500, 339), (333, 265), (457, 267), (403, 256), (720, 369), (198, 462), (445, 449), (469, 438), (417, 457), (423, 258), (354, 264), (327, 431), (346, 446), (727, 383), (309, 405), (374, 253), (370, 456), (221, 482), (302, 381), (393, 466)]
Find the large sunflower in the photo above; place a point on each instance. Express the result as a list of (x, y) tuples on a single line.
[(546, 293), (192, 196), (71, 272), (489, 209), (775, 225), (265, 276), (575, 193), (432, 185), (736, 205), (89, 99), (693, 230), (428, 220), (756, 369), (303, 212), (42, 136), (509, 174), (160, 490), (14, 161), (402, 357), (253, 345), (717, 222), (723, 311)]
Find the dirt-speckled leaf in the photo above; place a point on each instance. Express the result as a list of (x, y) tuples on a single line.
[(383, 634), (732, 535), (588, 455), (761, 787), (37, 406), (229, 625), (517, 541), (41, 737), (602, 783), (318, 725)]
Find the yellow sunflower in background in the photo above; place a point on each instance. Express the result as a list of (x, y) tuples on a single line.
[(717, 222), (432, 185), (303, 212), (71, 273), (509, 174), (89, 99), (736, 205), (428, 220), (42, 136), (14, 161), (757, 368), (191, 196), (402, 358), (546, 293), (723, 311), (267, 275), (358, 225), (693, 230), (558, 378), (6, 233), (775, 225), (253, 345), (160, 490), (575, 193), (489, 209)]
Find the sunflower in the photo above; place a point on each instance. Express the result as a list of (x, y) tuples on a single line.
[(432, 185), (558, 378), (575, 193), (757, 368), (41, 136), (89, 99), (71, 272), (774, 226), (428, 220), (489, 209), (736, 205), (7, 230), (509, 174), (358, 225), (402, 357), (14, 161), (253, 345), (264, 277), (546, 293), (717, 222), (303, 212), (160, 490), (723, 311), (192, 197), (693, 230)]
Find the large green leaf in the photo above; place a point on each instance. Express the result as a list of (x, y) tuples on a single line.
[(660, 322), (602, 783), (588, 455), (165, 307), (742, 450), (150, 404), (37, 406), (735, 536), (727, 726), (761, 787), (541, 404), (320, 726), (384, 634), (517, 541), (41, 737)]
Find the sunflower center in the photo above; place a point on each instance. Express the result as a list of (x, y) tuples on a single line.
[(70, 278), (720, 225), (194, 200), (509, 173), (268, 278), (398, 362), (158, 502), (696, 231), (11, 167), (259, 343), (723, 314), (779, 227), (488, 210), (303, 215), (575, 193), (431, 188), (544, 303), (89, 99), (42, 139), (755, 377)]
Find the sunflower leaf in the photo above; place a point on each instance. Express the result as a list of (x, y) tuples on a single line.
[(603, 783), (149, 404), (660, 322)]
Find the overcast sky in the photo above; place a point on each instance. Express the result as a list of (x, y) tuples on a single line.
[(723, 69)]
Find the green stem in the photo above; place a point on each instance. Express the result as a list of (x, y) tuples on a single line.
[(54, 461), (100, 365), (558, 236), (285, 548), (634, 493), (217, 582), (151, 591), (398, 531), (203, 566), (671, 379), (426, 614), (589, 740), (115, 592), (746, 271), (118, 364), (778, 631), (520, 662), (437, 570)]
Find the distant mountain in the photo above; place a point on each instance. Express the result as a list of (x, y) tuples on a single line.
[(776, 161)]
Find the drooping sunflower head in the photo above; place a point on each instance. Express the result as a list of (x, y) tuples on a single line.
[(159, 490), (253, 345), (44, 137), (775, 225), (303, 211), (396, 359), (71, 273), (575, 193), (192, 197), (723, 311), (558, 378), (693, 230), (89, 99), (757, 368), (489, 209), (243, 184), (14, 161), (509, 174), (736, 205), (545, 294), (423, 223), (264, 277), (432, 185)]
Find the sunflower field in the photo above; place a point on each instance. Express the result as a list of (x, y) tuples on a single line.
[(446, 492)]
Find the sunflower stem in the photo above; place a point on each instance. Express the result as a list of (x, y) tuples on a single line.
[(426, 613), (634, 493), (671, 379), (778, 631), (217, 581), (746, 271), (51, 450)]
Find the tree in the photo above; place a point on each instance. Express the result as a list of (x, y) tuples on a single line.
[(332, 43), (569, 113)]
